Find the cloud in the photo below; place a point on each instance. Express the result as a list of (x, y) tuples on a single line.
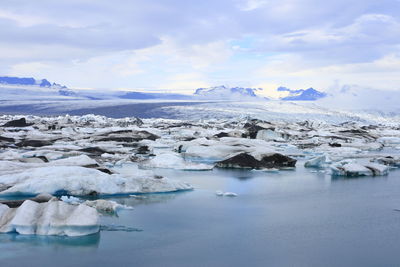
[(144, 43)]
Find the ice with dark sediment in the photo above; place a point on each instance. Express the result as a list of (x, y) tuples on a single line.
[(91, 154)]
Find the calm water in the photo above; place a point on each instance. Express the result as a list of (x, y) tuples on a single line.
[(291, 218)]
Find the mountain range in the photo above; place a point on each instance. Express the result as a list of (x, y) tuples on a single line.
[(309, 94), (212, 93), (6, 80)]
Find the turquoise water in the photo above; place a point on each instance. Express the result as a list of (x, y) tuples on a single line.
[(290, 218)]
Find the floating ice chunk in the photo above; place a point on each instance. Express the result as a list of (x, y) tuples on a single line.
[(219, 193), (318, 162), (50, 218), (350, 170), (108, 156), (230, 194), (270, 135), (83, 181), (225, 194), (71, 199), (389, 161), (378, 169), (224, 148), (174, 161), (265, 161), (107, 206)]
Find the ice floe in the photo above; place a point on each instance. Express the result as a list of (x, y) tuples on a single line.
[(49, 218), (106, 206), (317, 162), (352, 168), (171, 160), (225, 194), (80, 181)]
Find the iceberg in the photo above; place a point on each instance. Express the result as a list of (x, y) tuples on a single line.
[(351, 168), (317, 162), (105, 206), (80, 181), (50, 218), (174, 161)]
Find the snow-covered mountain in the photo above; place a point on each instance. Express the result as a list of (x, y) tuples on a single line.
[(31, 87), (7, 80), (228, 93), (241, 93), (16, 88), (309, 94)]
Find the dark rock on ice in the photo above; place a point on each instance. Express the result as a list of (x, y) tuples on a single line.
[(244, 160), (252, 130), (277, 160), (128, 137), (335, 145), (34, 143), (17, 123), (143, 150), (7, 139), (221, 134)]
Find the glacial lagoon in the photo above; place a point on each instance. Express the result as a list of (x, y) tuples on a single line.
[(301, 217)]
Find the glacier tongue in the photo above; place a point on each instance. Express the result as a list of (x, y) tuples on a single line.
[(50, 218)]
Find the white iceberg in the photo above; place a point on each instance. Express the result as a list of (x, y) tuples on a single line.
[(107, 206), (226, 147), (230, 194), (317, 162), (80, 181), (225, 194), (353, 169), (171, 160), (49, 218), (71, 200), (219, 193), (378, 169)]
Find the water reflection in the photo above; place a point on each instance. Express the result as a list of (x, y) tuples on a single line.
[(148, 199), (336, 178), (56, 242)]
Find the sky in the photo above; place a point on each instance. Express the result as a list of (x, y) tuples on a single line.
[(181, 45)]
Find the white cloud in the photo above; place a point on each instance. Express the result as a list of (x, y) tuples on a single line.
[(147, 44)]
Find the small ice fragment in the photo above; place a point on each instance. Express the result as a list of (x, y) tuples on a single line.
[(230, 194), (106, 206), (71, 200), (219, 193)]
